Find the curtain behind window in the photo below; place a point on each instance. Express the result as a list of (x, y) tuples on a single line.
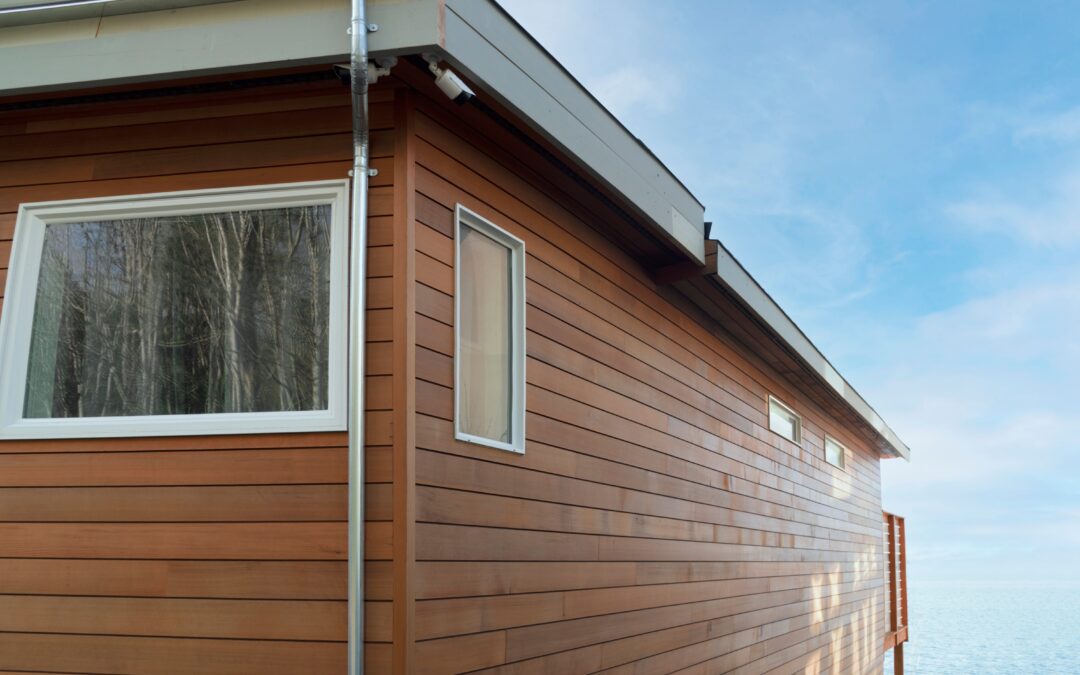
[(485, 337)]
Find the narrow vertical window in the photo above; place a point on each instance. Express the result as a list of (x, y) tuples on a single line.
[(489, 300), (784, 421), (834, 452)]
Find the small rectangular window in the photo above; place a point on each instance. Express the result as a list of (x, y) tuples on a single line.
[(784, 421), (214, 311), (489, 320), (835, 452)]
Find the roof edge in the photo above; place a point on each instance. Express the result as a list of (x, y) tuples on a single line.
[(142, 40), (149, 40), (129, 41), (734, 276), (492, 50)]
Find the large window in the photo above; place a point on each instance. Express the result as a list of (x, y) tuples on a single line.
[(489, 303), (784, 421), (199, 312)]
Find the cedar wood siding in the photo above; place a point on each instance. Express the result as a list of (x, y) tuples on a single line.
[(137, 555), (654, 524)]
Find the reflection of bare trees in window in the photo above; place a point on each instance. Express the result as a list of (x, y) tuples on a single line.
[(223, 312)]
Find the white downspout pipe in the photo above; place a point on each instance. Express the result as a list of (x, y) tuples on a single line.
[(358, 30)]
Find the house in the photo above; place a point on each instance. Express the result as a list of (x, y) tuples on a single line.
[(635, 463)]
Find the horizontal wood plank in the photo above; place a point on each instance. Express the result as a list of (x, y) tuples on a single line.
[(241, 619), (324, 580), (168, 656), (173, 467), (179, 504), (226, 541), (280, 124)]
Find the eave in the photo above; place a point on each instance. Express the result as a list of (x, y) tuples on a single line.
[(766, 330), (132, 41)]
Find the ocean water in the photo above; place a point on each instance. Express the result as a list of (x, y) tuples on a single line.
[(992, 630)]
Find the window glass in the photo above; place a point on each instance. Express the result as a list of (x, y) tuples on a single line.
[(485, 337), (784, 421), (181, 314), (489, 311), (834, 453)]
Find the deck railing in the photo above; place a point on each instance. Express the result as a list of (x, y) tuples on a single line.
[(896, 573)]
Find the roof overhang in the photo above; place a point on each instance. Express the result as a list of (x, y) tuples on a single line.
[(793, 354), (491, 49), (143, 40), (131, 41), (734, 276)]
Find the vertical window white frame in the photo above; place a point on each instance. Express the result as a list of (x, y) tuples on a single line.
[(469, 223), (16, 321), (835, 452), (783, 420)]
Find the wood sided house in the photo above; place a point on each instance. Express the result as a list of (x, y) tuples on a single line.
[(298, 377)]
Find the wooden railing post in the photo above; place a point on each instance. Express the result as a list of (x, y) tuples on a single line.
[(898, 606)]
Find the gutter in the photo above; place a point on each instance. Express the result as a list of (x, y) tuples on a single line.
[(358, 30)]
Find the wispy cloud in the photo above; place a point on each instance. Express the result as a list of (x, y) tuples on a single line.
[(1016, 325), (1058, 127), (758, 95), (636, 86), (1050, 217), (984, 391), (627, 76), (823, 138)]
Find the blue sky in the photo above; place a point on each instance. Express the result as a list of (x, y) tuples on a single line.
[(904, 178)]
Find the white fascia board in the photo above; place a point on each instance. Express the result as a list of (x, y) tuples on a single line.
[(183, 42), (92, 10), (405, 27), (733, 275), (493, 51)]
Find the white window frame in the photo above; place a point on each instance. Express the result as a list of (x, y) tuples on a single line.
[(798, 419), (843, 452), (16, 321), (467, 217)]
